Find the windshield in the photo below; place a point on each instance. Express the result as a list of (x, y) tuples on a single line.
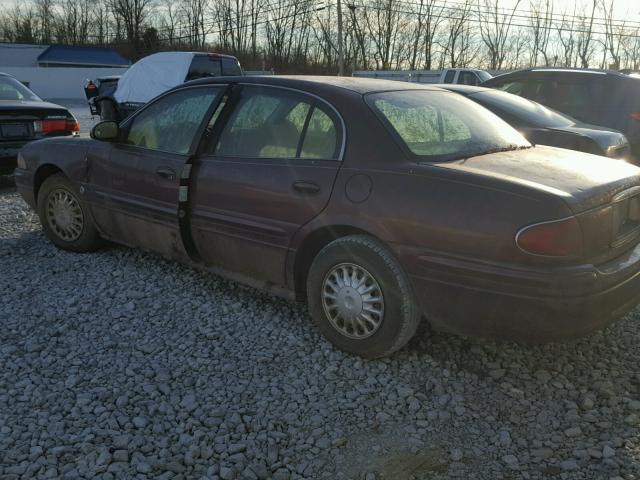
[(12, 90), (444, 126), (527, 111)]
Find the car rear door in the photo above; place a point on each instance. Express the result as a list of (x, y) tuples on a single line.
[(136, 182), (269, 169)]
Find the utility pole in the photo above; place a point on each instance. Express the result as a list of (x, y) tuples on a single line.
[(340, 46)]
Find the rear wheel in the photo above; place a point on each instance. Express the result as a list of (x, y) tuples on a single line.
[(65, 218), (360, 297)]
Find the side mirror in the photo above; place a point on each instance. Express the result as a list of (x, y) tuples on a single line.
[(106, 131)]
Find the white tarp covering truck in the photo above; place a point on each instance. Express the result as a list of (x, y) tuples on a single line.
[(115, 98)]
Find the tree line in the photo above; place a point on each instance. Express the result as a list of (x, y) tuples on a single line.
[(300, 36)]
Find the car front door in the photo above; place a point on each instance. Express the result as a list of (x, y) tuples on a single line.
[(136, 180), (268, 170)]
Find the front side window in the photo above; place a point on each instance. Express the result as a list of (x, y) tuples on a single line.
[(444, 126), (468, 78), (274, 123), (171, 123)]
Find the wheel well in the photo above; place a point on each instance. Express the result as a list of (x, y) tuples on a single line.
[(315, 242), (43, 172)]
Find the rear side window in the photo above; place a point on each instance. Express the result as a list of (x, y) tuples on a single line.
[(576, 97), (274, 123), (204, 66), (230, 67)]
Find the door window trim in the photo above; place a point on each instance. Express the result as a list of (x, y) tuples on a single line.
[(126, 123)]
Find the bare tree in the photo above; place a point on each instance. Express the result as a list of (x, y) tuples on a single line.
[(541, 20), (614, 34), (131, 15), (382, 19), (584, 42), (458, 41), (494, 30), (566, 40)]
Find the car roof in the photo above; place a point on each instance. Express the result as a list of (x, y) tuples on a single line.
[(464, 89), (309, 82), (586, 71)]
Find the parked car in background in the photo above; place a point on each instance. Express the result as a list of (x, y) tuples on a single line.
[(544, 126), (116, 97), (597, 97), (461, 76), (25, 117), (449, 213)]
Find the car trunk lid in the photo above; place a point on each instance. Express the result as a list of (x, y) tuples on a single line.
[(582, 180), (19, 121), (604, 194)]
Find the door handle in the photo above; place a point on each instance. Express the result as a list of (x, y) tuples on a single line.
[(167, 173), (308, 188)]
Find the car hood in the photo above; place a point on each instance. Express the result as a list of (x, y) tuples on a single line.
[(582, 180), (22, 105)]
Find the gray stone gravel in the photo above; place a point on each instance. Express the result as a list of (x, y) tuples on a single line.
[(120, 364)]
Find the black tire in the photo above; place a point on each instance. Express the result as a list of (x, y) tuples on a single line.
[(400, 314), (85, 237), (108, 111)]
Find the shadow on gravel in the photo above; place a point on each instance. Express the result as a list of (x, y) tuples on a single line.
[(7, 183)]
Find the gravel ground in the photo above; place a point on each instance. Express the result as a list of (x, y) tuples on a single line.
[(120, 364)]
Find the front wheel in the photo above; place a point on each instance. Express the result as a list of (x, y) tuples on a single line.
[(65, 218), (360, 297)]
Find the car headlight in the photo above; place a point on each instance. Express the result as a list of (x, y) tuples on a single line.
[(21, 161)]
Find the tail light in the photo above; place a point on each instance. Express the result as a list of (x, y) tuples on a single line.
[(49, 125), (558, 238), (635, 116)]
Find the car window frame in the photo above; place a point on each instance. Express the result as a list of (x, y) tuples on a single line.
[(229, 109), (125, 125)]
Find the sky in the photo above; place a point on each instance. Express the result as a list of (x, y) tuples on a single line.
[(624, 9)]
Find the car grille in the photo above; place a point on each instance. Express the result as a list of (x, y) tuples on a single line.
[(626, 216)]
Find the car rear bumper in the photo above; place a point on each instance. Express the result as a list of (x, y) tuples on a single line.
[(493, 301)]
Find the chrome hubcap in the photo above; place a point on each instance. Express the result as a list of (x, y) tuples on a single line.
[(64, 215), (352, 300)]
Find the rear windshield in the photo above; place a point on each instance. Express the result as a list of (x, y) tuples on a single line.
[(12, 89), (231, 66), (529, 112), (443, 125), (213, 66)]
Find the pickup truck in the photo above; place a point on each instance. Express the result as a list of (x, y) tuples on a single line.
[(117, 97), (462, 76)]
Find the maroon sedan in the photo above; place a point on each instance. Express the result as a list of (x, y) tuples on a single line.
[(377, 202)]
